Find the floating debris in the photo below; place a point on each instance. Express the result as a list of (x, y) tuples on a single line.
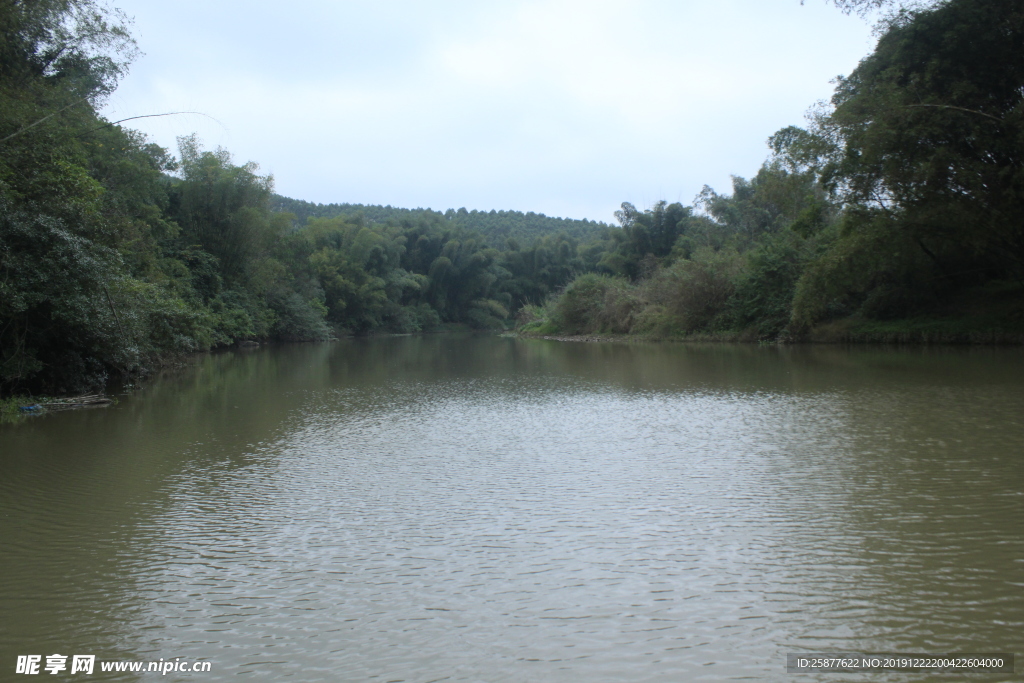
[(73, 402)]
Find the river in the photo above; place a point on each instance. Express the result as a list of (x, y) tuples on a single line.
[(484, 508)]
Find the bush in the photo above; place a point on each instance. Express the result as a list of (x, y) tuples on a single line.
[(763, 298), (57, 328), (486, 314), (697, 290), (297, 319), (875, 269), (426, 317), (577, 310)]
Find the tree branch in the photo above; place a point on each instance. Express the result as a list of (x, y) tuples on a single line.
[(145, 116), (950, 106), (36, 123)]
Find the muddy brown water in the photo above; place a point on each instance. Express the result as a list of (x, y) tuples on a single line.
[(482, 508)]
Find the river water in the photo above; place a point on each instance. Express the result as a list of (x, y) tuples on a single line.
[(481, 508)]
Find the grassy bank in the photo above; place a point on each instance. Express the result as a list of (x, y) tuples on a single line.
[(914, 331), (842, 332), (10, 408), (992, 314)]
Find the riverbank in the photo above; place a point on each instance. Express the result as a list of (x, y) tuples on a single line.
[(16, 407), (971, 330), (989, 315)]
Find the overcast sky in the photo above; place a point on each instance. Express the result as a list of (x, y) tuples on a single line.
[(563, 107)]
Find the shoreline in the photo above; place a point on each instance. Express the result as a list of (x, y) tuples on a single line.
[(817, 336), (840, 333)]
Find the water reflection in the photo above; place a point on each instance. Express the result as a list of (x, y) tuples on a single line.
[(484, 508)]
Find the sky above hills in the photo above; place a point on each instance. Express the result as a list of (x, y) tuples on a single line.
[(563, 107)]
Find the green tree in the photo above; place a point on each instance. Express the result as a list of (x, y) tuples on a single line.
[(223, 208), (923, 146)]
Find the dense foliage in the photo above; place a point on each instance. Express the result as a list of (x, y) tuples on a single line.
[(903, 200), (495, 226), (114, 254)]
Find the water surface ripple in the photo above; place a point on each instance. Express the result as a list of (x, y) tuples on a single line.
[(491, 509)]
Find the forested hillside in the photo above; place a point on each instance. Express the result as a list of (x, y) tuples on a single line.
[(495, 226), (899, 213), (116, 253)]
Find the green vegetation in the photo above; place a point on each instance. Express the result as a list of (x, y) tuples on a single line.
[(495, 226), (116, 255), (897, 215), (10, 408)]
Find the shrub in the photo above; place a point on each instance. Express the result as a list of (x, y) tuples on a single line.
[(872, 269), (486, 314), (297, 319), (697, 290), (764, 292)]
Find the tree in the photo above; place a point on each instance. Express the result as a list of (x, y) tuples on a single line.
[(923, 147), (60, 257), (223, 208), (930, 127), (865, 7)]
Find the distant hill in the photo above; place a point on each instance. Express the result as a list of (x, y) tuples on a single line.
[(496, 226)]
